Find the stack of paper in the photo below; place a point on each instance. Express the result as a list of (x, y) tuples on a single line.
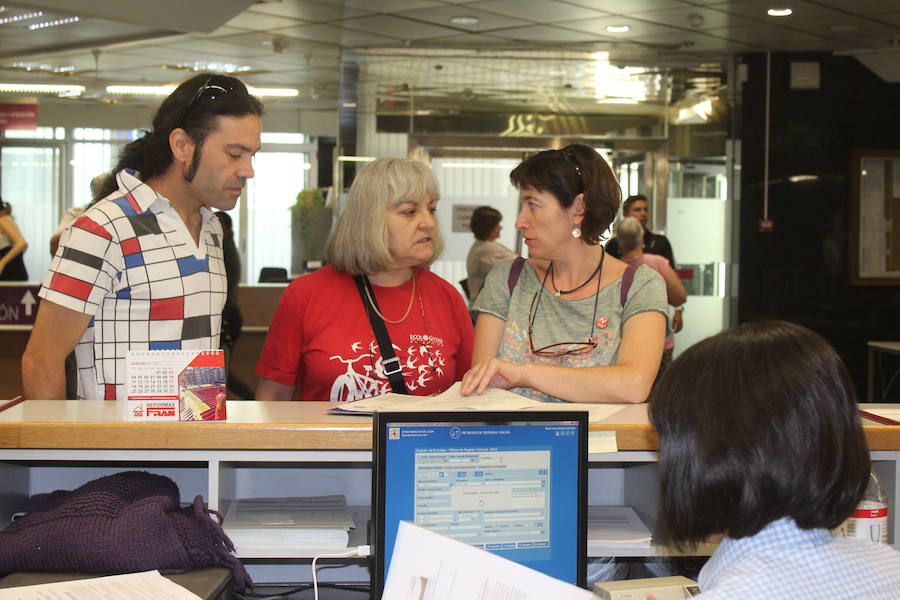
[(491, 399), (617, 526), (320, 522)]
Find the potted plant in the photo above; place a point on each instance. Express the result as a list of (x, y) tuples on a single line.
[(310, 225)]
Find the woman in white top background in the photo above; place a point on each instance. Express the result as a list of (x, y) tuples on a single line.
[(12, 247), (486, 251)]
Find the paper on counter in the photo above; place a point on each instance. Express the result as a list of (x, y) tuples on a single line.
[(149, 585), (616, 525), (491, 399), (450, 569), (602, 441)]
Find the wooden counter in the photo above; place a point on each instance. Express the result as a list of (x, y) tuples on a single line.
[(266, 426)]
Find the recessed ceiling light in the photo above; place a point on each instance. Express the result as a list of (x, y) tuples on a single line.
[(617, 28), (464, 20), (779, 12)]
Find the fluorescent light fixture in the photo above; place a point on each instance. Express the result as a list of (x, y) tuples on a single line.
[(799, 178), (40, 88), (165, 90), (274, 92), (464, 20), (17, 18), (356, 158), (214, 66), (779, 12), (451, 165), (141, 90), (618, 28), (53, 23), (348, 104)]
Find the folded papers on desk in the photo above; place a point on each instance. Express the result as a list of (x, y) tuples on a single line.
[(616, 526), (321, 522), (149, 585), (491, 399)]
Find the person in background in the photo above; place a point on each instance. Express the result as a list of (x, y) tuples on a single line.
[(321, 344), (573, 324), (12, 247), (760, 445), (143, 268), (654, 243), (232, 319), (630, 234), (486, 251), (98, 184)]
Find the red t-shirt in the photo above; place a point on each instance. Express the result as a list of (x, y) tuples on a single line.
[(321, 340)]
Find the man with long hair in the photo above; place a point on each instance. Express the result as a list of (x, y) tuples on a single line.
[(143, 268)]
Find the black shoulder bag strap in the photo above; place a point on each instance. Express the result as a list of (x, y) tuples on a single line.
[(392, 367)]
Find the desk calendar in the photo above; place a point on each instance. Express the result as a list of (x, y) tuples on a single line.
[(175, 385)]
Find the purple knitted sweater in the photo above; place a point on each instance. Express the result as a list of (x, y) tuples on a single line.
[(122, 523)]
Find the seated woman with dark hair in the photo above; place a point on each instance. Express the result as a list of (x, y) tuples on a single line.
[(760, 445), (486, 251)]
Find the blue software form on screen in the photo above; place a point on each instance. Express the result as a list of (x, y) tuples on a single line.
[(512, 487)]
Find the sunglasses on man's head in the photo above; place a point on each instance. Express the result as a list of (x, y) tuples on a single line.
[(214, 87)]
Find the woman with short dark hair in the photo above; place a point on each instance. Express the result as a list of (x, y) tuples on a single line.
[(486, 251), (569, 324), (760, 442)]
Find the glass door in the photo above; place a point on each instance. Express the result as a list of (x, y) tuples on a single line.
[(31, 176)]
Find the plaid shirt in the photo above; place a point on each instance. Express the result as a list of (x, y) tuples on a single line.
[(784, 562), (131, 263)]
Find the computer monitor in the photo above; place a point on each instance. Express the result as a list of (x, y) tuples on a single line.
[(513, 483)]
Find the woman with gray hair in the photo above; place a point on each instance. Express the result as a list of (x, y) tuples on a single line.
[(327, 335), (630, 234)]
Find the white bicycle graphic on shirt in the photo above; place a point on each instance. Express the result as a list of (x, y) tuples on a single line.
[(355, 386)]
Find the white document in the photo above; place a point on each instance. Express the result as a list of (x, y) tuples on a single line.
[(429, 566), (616, 525), (491, 399), (133, 586)]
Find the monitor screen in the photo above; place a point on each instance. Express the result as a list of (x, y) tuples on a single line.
[(511, 483)]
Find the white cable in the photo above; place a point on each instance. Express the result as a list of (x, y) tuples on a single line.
[(359, 551)]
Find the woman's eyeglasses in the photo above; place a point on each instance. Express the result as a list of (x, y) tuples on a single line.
[(563, 348), (559, 348), (214, 87)]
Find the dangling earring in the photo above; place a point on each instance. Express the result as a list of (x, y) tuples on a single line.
[(576, 232)]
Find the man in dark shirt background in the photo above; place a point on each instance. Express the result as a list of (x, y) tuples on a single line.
[(654, 243)]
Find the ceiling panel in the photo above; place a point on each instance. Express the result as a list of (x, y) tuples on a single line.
[(756, 9), (863, 7), (892, 17), (398, 28), (540, 12), (486, 20), (626, 7), (549, 33), (259, 21), (598, 27), (687, 18), (469, 41), (690, 41), (307, 10), (384, 6), (337, 36), (770, 36)]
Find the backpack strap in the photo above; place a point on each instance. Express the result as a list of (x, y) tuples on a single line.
[(514, 271), (627, 280)]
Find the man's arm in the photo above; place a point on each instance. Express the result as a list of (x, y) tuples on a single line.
[(56, 331)]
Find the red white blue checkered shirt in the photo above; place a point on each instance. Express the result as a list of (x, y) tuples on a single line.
[(131, 263)]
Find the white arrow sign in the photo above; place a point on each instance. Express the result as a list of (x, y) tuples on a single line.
[(29, 302)]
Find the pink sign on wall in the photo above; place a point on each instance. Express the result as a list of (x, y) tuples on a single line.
[(18, 116)]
